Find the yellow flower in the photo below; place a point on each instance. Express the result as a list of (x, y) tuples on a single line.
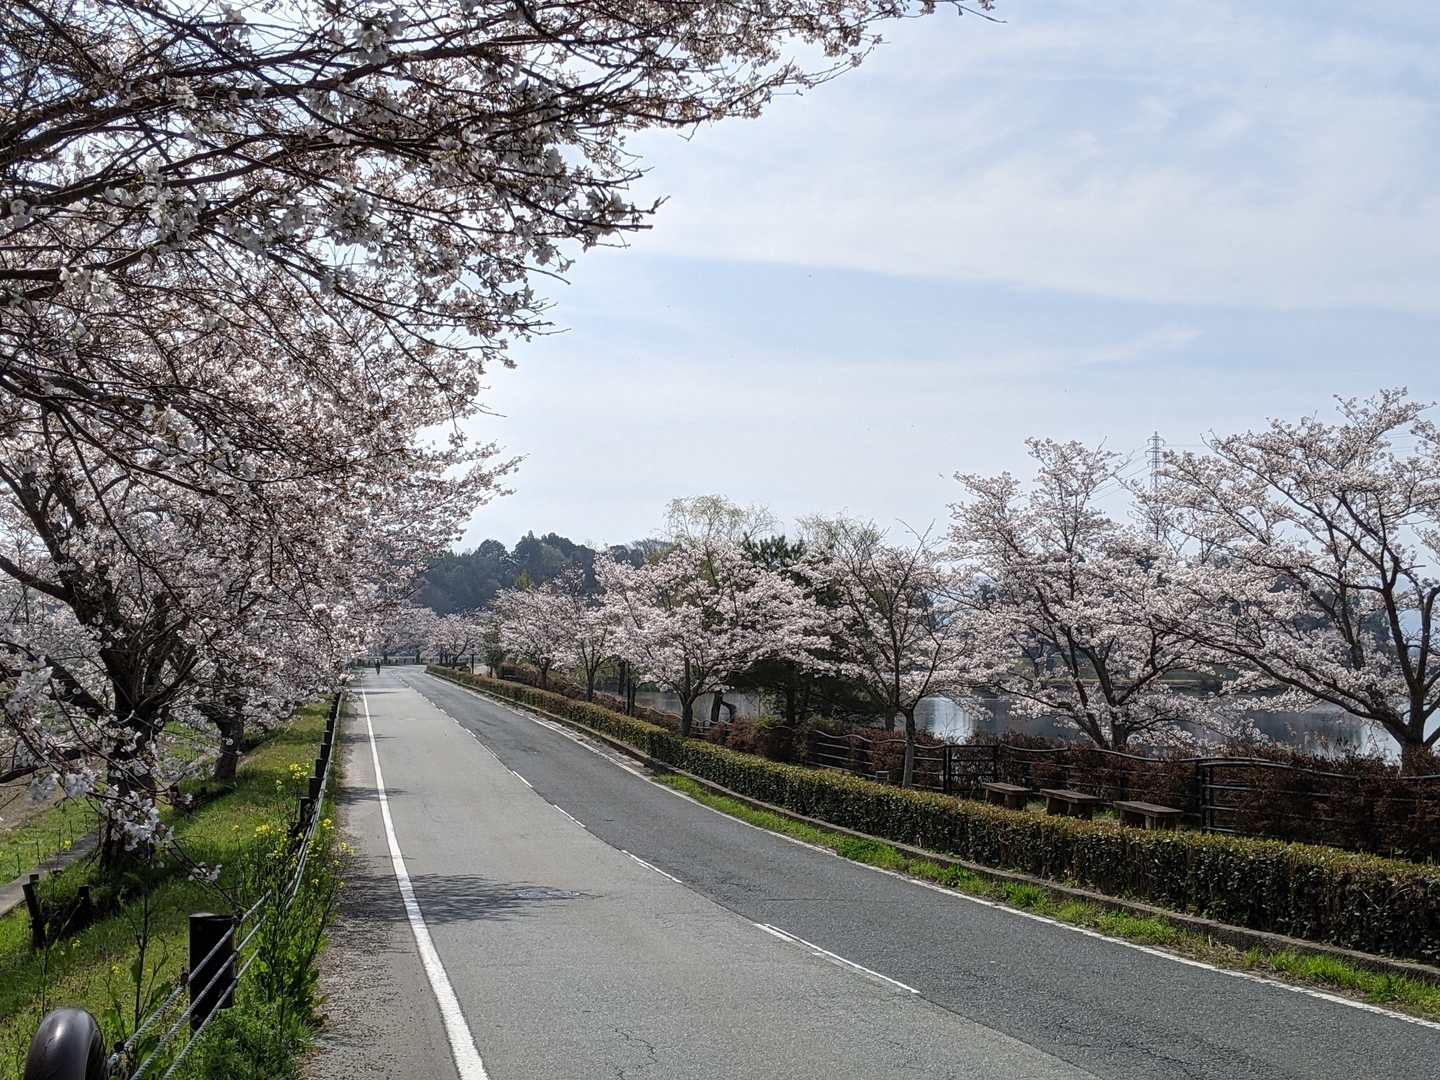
[(261, 830), (325, 823), (75, 944), (114, 969), (66, 845)]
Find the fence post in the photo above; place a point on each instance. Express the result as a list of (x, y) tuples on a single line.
[(945, 775), (207, 931), (37, 922), (1200, 794), (67, 1046)]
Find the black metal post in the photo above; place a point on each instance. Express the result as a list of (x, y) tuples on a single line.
[(314, 790), (945, 782), (212, 981), (67, 1046), (1204, 784), (37, 921)]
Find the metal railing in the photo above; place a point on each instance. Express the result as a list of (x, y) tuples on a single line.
[(1240, 795), (53, 1054), (1251, 796)]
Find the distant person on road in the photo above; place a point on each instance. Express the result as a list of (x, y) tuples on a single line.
[(377, 667)]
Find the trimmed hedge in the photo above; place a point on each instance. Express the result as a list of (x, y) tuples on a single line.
[(1321, 894)]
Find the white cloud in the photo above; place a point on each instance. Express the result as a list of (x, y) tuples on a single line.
[(1179, 152), (1100, 219)]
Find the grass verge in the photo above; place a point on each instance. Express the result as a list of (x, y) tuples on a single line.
[(24, 847), (103, 968), (1400, 992)]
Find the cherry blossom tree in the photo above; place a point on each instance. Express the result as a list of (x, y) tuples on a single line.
[(693, 617), (900, 629), (538, 625), (454, 636), (178, 567), (187, 173), (1314, 547), (593, 627), (1074, 610)]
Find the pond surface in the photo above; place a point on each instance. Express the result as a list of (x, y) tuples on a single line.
[(1318, 730)]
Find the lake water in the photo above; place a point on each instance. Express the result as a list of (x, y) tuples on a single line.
[(1317, 729)]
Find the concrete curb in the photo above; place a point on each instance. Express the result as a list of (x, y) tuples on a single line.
[(13, 894), (1235, 936)]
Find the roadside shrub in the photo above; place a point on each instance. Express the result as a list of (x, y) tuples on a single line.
[(1321, 894), (252, 1041)]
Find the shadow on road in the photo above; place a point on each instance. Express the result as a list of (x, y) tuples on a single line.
[(373, 896)]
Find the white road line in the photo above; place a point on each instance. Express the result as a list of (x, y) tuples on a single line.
[(522, 779), (572, 817), (462, 1043), (833, 957), (1308, 991), (652, 866)]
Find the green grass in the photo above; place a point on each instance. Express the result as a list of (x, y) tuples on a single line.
[(1401, 992), (96, 969), (24, 847)]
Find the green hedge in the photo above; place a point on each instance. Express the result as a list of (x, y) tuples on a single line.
[(1321, 894)]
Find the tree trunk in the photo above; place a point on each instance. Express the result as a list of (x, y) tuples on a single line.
[(123, 778), (908, 778), (544, 675), (716, 701), (1416, 759), (890, 713), (687, 716), (590, 684), (232, 734), (790, 704)]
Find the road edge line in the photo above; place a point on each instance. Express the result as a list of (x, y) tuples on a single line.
[(462, 1043), (555, 722)]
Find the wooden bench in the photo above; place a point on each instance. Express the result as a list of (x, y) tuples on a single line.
[(1008, 795), (1070, 803), (1148, 815)]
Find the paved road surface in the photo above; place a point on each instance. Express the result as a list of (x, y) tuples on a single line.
[(637, 975)]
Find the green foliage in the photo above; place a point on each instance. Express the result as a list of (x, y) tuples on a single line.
[(253, 1041), (1387, 988), (1321, 894), (1025, 895), (100, 968), (470, 580), (869, 851), (292, 924), (23, 847)]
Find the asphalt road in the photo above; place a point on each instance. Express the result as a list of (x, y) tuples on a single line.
[(638, 975)]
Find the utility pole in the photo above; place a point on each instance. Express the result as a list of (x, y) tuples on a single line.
[(1157, 445)]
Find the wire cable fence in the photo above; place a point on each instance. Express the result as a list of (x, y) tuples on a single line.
[(218, 965)]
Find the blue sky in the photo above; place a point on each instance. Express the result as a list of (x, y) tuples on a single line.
[(1094, 220)]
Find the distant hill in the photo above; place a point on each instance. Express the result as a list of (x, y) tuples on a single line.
[(469, 580)]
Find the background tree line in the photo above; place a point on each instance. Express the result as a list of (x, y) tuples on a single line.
[(1297, 562)]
